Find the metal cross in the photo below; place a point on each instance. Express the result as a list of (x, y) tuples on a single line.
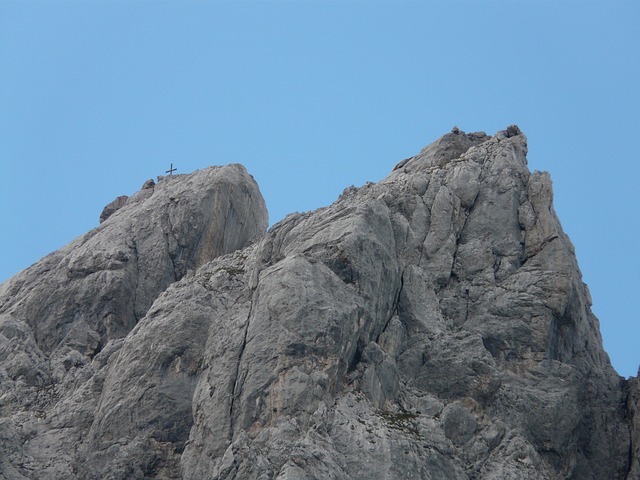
[(171, 170)]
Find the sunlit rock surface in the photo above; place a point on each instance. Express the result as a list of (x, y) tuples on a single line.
[(432, 326)]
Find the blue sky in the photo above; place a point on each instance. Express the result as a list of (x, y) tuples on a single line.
[(96, 97)]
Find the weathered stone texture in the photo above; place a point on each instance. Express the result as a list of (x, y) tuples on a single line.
[(434, 325), (63, 318)]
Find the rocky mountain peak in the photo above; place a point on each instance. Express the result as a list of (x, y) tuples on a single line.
[(432, 325), (100, 285)]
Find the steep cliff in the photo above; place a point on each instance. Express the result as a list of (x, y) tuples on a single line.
[(62, 318), (434, 325)]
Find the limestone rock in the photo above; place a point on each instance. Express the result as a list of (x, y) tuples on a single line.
[(434, 325), (63, 318), (110, 208), (148, 184)]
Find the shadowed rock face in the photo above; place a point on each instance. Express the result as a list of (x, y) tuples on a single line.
[(434, 325)]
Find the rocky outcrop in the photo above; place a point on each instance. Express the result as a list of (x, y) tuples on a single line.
[(433, 325), (113, 206), (61, 319)]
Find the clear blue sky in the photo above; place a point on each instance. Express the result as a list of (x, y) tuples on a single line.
[(96, 97)]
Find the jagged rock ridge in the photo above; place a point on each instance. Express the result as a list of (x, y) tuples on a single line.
[(433, 325)]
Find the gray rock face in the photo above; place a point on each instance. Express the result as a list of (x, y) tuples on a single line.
[(633, 411), (62, 319), (434, 325)]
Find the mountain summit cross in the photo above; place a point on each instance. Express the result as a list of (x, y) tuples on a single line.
[(171, 170)]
